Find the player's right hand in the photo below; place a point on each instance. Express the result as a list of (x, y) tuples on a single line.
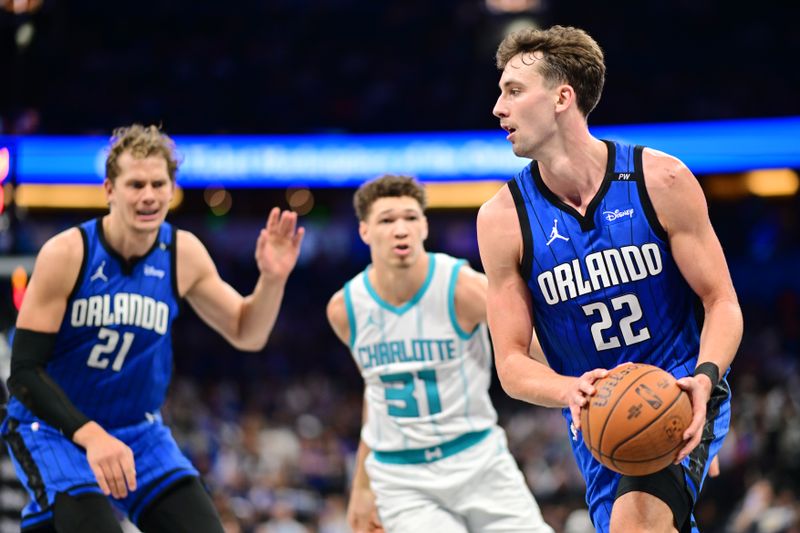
[(110, 459), (579, 392), (362, 513)]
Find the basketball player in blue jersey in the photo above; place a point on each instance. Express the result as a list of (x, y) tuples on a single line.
[(603, 249), (431, 456), (92, 358)]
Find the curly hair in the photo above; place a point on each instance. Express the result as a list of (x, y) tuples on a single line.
[(387, 186), (140, 141), (570, 56)]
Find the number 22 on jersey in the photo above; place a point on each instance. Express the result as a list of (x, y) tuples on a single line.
[(626, 323)]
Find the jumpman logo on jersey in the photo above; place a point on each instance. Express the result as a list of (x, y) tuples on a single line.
[(554, 233), (99, 273)]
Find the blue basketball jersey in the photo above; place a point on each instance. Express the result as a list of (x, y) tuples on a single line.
[(606, 290), (605, 287), (113, 354)]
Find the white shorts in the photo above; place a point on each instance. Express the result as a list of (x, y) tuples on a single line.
[(477, 490)]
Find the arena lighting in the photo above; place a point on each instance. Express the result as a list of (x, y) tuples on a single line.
[(725, 186), (514, 6), (70, 197), (5, 166), (774, 182), (347, 160), (460, 194)]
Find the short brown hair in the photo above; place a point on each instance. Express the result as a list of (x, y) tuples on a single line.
[(386, 186), (140, 141), (570, 56)]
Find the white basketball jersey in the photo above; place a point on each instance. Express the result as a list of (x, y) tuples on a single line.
[(426, 380)]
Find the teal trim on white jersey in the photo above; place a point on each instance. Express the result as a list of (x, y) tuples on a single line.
[(426, 381), (351, 316), (413, 301), (433, 453), (451, 301)]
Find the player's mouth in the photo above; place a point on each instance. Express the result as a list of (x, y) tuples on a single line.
[(510, 130), (402, 250), (148, 214)]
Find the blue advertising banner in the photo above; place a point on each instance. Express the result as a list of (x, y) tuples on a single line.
[(347, 160)]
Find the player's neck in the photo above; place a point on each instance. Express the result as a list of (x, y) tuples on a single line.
[(127, 244), (573, 168), (395, 285)]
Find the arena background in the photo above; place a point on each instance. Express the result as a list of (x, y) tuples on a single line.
[(274, 433)]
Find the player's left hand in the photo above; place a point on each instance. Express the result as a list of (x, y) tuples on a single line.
[(362, 513), (278, 245), (699, 390)]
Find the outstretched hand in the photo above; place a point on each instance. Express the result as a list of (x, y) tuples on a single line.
[(278, 245), (699, 390), (579, 392)]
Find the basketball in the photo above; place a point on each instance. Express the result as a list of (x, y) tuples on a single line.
[(634, 424)]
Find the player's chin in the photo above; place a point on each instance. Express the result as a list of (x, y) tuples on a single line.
[(148, 223)]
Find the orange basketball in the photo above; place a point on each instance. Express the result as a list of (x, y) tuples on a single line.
[(634, 424)]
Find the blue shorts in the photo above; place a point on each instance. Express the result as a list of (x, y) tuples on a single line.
[(601, 483), (48, 463)]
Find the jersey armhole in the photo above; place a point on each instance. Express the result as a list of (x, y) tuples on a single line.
[(644, 197), (526, 265), (173, 261), (451, 302), (84, 261), (351, 315)]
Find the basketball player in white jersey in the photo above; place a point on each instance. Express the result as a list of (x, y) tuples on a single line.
[(431, 456)]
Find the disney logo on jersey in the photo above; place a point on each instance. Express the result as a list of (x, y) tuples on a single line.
[(150, 270), (616, 214), (599, 270), (122, 308)]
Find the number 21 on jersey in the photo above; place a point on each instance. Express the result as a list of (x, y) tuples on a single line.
[(99, 356)]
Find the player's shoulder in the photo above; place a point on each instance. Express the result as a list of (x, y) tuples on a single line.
[(187, 240), (496, 206), (63, 248), (189, 248), (59, 262), (337, 300), (336, 311), (663, 171)]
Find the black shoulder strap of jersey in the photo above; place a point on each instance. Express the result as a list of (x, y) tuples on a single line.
[(644, 196), (526, 265)]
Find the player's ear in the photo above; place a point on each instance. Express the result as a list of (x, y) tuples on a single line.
[(424, 228), (108, 188), (565, 96), (363, 232)]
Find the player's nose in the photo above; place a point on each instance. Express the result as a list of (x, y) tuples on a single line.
[(500, 109)]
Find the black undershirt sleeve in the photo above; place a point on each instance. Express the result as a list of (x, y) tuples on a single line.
[(30, 383)]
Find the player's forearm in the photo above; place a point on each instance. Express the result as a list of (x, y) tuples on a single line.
[(360, 478), (259, 313), (528, 380), (31, 385), (722, 333)]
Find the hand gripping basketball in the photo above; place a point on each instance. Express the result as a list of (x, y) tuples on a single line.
[(635, 422)]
